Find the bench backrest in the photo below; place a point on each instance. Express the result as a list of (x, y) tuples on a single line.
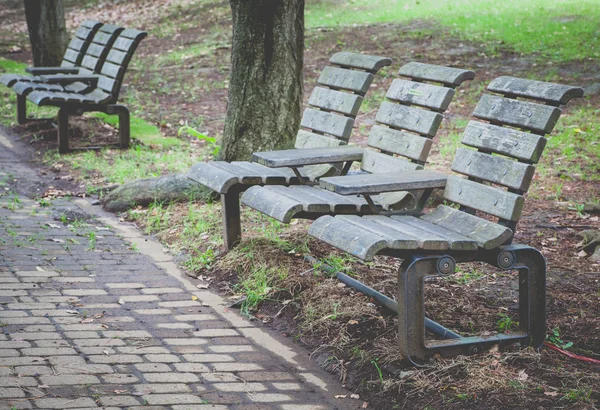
[(508, 137), (407, 122), (115, 66), (98, 49), (335, 101), (79, 43)]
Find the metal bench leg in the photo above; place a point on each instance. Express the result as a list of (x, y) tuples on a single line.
[(124, 124), (63, 131), (21, 109), (232, 225)]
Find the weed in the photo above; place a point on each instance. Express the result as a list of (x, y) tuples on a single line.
[(505, 323), (555, 339), (211, 141), (375, 363), (91, 241), (577, 395)]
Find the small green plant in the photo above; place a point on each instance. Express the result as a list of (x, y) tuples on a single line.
[(576, 395), (44, 203), (505, 323), (91, 240), (210, 141), (201, 261), (334, 315), (555, 339), (375, 363)]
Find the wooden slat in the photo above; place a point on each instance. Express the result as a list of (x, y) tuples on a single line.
[(342, 78), (307, 139), (123, 44), (395, 201), (134, 34), (377, 163), (389, 182), (550, 93), (487, 234), (425, 95), (499, 170), (308, 156), (439, 74), (112, 70), (89, 62), (328, 123), (506, 141), (332, 100), (71, 56), (83, 33), (77, 44), (102, 38), (421, 121), (107, 84), (529, 116), (347, 237), (270, 202), (117, 57), (91, 24), (360, 61), (400, 142), (493, 201), (95, 50)]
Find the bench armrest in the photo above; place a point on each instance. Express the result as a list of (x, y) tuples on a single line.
[(372, 184), (51, 70), (70, 79), (308, 156)]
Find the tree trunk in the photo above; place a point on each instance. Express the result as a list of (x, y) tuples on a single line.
[(265, 90), (47, 31)]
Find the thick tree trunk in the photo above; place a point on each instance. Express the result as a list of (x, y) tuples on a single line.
[(265, 90), (47, 31)]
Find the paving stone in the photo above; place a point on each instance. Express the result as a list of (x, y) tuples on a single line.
[(158, 291), (186, 342), (116, 359), (171, 377), (52, 403), (172, 399), (119, 401), (138, 298), (267, 376), (83, 292), (201, 407), (119, 378), (235, 367), (125, 285), (17, 381), (153, 367), (195, 318), (68, 380), (33, 370), (191, 367), (174, 326), (48, 351), (127, 334), (143, 350), (232, 348), (153, 311), (11, 392), (99, 342), (216, 332), (240, 387), (163, 388), (162, 358), (270, 397), (180, 304)]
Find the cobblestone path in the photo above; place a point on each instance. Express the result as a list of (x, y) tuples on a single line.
[(93, 315)]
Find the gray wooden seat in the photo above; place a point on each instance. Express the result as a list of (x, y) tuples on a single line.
[(72, 59), (326, 122), (400, 141), (101, 96), (493, 171), (91, 64)]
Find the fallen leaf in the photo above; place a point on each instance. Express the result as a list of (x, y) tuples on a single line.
[(353, 322), (365, 405), (522, 375), (551, 393), (89, 320), (121, 302), (39, 269), (121, 391), (194, 297), (72, 312), (53, 226), (340, 396), (355, 396), (203, 286), (57, 240), (43, 386)]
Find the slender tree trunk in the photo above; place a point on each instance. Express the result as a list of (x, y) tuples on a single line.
[(265, 90), (47, 31)]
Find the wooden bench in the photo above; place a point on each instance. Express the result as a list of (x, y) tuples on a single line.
[(90, 66), (400, 141), (102, 94), (327, 122), (494, 169), (71, 60)]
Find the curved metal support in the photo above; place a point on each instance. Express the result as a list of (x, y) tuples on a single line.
[(531, 266), (124, 123)]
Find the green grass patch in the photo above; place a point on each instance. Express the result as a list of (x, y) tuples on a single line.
[(560, 30), (11, 66), (143, 131)]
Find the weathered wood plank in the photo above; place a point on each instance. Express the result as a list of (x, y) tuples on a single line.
[(378, 183), (400, 142), (328, 123), (95, 50), (71, 55), (117, 57), (332, 100), (308, 156), (550, 93), (341, 78), (377, 162), (493, 201), (361, 61), (428, 72), (271, 203), (77, 44), (83, 33), (425, 95), (307, 139), (347, 237), (506, 141), (421, 121), (487, 234), (526, 115), (501, 171), (111, 70), (107, 84)]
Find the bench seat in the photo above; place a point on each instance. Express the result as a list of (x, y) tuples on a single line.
[(443, 229)]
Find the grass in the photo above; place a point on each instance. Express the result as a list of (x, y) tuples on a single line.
[(560, 30)]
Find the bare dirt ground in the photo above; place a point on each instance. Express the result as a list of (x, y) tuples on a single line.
[(343, 330)]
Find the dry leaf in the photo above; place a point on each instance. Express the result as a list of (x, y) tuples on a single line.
[(551, 393), (53, 226), (121, 302), (89, 320), (353, 322), (39, 269), (121, 391), (194, 297), (340, 396), (522, 375), (355, 396), (365, 405), (203, 286), (57, 240)]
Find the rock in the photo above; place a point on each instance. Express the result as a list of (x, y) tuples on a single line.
[(591, 243), (163, 189), (592, 89)]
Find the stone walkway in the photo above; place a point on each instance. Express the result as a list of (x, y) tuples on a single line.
[(94, 315)]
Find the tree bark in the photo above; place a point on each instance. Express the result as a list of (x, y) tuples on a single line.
[(265, 90), (47, 31)]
